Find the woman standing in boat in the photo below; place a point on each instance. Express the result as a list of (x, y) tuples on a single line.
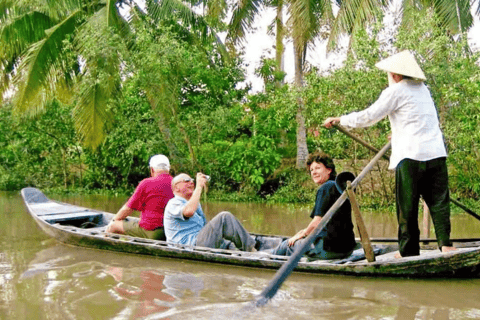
[(150, 198), (418, 150), (337, 240)]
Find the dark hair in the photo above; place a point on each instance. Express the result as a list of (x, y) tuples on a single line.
[(325, 159)]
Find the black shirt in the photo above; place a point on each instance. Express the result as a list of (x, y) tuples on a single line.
[(339, 236)]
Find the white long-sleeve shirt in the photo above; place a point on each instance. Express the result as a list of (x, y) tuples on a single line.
[(413, 117)]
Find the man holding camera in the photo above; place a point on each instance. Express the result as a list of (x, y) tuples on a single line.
[(185, 222)]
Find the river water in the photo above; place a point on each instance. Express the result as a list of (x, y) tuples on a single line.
[(43, 279)]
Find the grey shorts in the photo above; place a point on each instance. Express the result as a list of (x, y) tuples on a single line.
[(132, 228)]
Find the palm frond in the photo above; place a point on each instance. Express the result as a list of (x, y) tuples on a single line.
[(306, 17), (116, 21), (185, 18), (5, 9), (353, 14), (18, 33), (99, 84), (454, 14), (91, 115), (171, 9), (34, 75), (244, 13), (59, 9)]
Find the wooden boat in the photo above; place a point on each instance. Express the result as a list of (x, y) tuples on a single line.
[(85, 227)]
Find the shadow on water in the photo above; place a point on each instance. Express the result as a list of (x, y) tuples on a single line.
[(42, 279)]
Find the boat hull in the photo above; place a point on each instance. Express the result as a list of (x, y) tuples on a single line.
[(85, 227)]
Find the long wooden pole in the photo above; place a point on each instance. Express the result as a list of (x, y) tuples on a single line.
[(470, 212), (359, 140), (362, 230), (292, 262)]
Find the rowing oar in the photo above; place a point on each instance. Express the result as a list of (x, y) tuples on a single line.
[(370, 147), (359, 140), (470, 212), (292, 262)]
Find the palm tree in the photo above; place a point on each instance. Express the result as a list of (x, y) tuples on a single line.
[(73, 50), (304, 24), (455, 16), (48, 48)]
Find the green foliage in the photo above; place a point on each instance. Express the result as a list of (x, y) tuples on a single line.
[(270, 74), (122, 160), (181, 99), (295, 186), (248, 157), (351, 88), (43, 153)]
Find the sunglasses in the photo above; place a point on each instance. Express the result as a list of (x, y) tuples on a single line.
[(185, 180)]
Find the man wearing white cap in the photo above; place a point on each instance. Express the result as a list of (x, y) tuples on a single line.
[(150, 198), (418, 150)]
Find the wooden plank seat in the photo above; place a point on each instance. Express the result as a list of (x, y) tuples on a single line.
[(84, 216), (53, 208)]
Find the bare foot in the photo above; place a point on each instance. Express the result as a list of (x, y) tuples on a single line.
[(397, 255), (447, 249)]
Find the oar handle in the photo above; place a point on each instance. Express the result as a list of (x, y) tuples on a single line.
[(359, 140), (292, 262)]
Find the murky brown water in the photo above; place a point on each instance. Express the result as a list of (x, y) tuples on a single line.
[(42, 279)]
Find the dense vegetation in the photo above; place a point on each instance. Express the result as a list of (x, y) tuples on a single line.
[(246, 143)]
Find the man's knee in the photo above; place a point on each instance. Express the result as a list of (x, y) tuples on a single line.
[(224, 214)]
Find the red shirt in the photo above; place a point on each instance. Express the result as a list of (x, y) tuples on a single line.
[(150, 198)]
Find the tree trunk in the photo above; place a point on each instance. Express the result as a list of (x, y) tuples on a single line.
[(280, 34), (302, 149)]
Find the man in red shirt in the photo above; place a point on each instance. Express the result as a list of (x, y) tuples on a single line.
[(150, 198)]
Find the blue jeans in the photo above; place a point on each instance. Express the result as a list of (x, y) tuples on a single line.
[(224, 231)]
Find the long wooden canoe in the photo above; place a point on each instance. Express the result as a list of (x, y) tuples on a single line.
[(85, 227)]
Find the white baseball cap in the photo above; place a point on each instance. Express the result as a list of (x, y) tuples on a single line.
[(403, 63), (159, 161)]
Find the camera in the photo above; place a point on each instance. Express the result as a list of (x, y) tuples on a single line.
[(207, 178)]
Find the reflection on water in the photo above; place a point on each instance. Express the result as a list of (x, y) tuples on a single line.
[(42, 279), (91, 284)]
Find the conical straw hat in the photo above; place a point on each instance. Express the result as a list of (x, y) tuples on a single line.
[(403, 63)]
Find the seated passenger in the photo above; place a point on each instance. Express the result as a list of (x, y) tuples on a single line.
[(185, 222), (150, 198), (337, 239)]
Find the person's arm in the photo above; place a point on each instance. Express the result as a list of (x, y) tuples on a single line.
[(384, 105), (124, 212), (192, 204), (305, 232), (116, 225)]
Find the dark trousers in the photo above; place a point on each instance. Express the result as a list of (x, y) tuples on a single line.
[(428, 179)]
